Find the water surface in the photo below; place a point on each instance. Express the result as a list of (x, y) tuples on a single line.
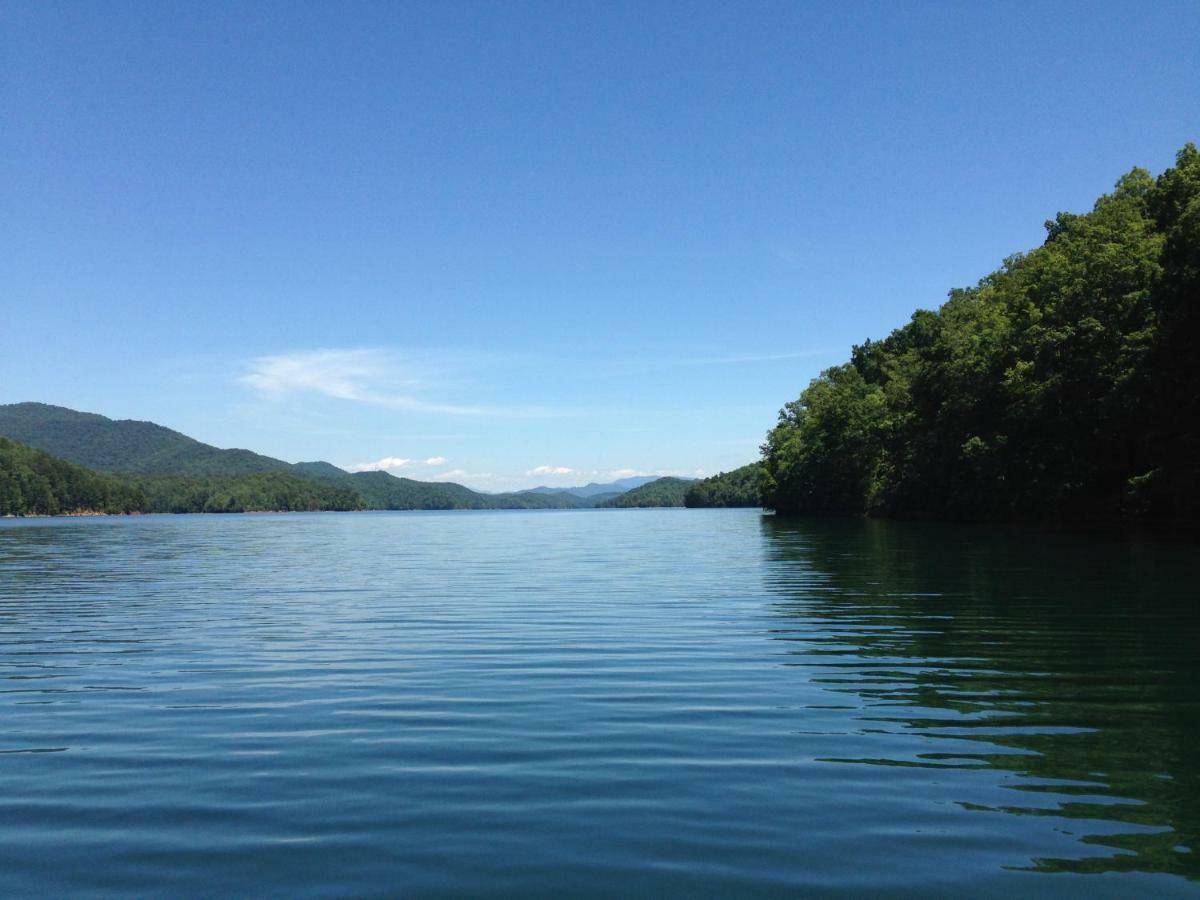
[(594, 702)]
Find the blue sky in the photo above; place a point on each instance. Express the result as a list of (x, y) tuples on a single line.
[(511, 243)]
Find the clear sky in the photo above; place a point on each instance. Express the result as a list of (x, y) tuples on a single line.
[(495, 241)]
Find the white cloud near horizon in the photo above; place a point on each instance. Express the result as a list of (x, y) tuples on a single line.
[(550, 470), (380, 465), (388, 463)]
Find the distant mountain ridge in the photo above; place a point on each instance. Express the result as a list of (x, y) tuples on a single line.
[(593, 489), (132, 447)]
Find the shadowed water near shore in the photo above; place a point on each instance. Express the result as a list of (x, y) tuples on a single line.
[(608, 702), (1069, 665)]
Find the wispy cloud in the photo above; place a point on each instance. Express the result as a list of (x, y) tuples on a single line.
[(361, 375), (380, 377), (436, 461)]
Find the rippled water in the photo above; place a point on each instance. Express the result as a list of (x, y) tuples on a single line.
[(606, 702)]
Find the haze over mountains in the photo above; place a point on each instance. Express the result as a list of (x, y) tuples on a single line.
[(146, 449)]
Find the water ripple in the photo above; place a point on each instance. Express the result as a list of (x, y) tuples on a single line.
[(699, 702)]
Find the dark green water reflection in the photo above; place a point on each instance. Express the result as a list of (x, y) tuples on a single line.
[(1071, 663)]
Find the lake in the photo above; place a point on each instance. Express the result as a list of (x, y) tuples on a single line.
[(609, 702)]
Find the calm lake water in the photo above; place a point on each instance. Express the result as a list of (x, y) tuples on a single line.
[(625, 702)]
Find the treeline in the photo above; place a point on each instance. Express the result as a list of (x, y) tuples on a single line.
[(1064, 386), (32, 482), (258, 492), (741, 487)]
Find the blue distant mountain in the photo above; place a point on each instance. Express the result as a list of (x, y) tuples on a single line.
[(593, 489)]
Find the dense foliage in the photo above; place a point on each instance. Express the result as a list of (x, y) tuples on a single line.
[(660, 492), (1064, 386), (33, 482), (737, 488)]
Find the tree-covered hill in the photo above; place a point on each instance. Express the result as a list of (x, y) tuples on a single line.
[(737, 488), (660, 492), (124, 445), (1063, 387)]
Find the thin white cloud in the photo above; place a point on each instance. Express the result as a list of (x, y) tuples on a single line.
[(436, 461), (550, 470)]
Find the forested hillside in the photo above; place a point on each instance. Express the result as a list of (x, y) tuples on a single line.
[(741, 487), (124, 445), (660, 492), (1064, 386)]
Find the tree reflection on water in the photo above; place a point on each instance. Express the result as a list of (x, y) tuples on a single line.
[(1070, 662)]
